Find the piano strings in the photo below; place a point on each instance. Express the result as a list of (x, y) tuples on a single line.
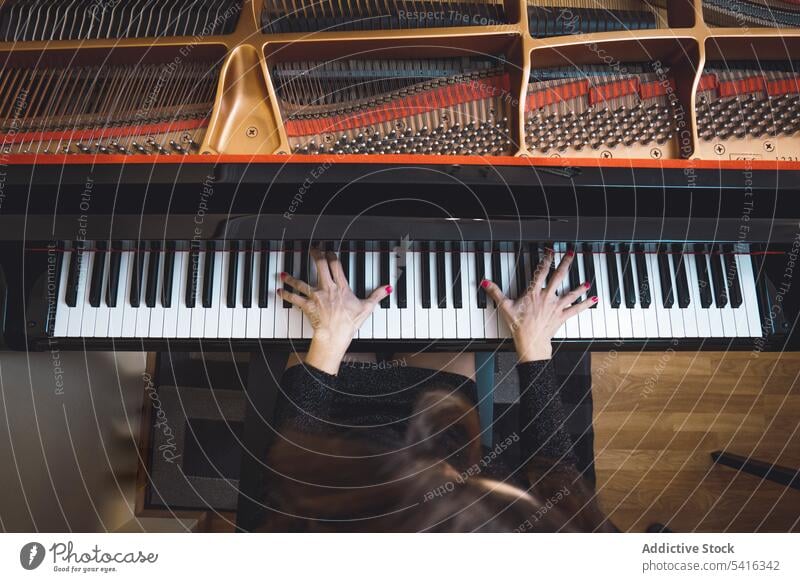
[(564, 17), (350, 15), (597, 110), (754, 13), (426, 106), (42, 20), (121, 109)]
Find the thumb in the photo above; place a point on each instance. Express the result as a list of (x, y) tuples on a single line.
[(378, 294), (493, 291)]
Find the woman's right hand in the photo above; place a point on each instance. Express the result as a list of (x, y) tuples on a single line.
[(535, 317)]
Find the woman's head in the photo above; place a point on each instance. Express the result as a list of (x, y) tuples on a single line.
[(433, 480)]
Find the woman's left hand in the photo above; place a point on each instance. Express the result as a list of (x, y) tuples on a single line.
[(334, 311)]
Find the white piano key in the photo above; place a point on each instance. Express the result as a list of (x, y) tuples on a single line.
[(393, 315), (89, 316), (638, 314), (662, 314), (310, 276), (598, 313), (198, 312), (239, 327), (116, 313), (143, 312), (690, 328), (435, 328), (420, 314), (76, 313), (178, 322), (281, 312), (490, 314), (408, 325), (295, 314), (623, 313), (475, 329), (449, 326), (714, 314), (675, 313), (584, 318), (61, 323), (254, 312), (380, 318), (506, 268), (740, 313), (649, 313), (749, 292), (225, 313), (558, 256), (572, 325), (157, 312), (103, 311), (128, 312), (701, 313), (366, 329), (211, 329), (610, 318), (728, 317)]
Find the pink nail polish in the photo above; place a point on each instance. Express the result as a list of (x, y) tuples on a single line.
[(595, 299), (484, 283), (587, 285), (570, 253), (388, 288), (283, 276)]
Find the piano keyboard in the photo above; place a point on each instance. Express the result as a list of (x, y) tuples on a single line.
[(215, 289)]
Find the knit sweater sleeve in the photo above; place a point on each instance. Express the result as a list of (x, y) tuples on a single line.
[(542, 418), (306, 399)]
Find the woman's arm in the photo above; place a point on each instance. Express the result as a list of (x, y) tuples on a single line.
[(533, 319)]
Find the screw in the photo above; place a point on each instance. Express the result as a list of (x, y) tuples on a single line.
[(606, 154), (719, 149), (186, 138), (252, 131), (655, 153), (769, 146)]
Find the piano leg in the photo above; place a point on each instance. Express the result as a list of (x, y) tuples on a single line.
[(263, 385)]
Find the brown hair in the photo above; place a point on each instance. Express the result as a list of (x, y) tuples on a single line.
[(339, 483)]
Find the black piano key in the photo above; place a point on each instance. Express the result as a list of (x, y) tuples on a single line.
[(681, 279), (553, 266), (718, 277), (233, 274), (73, 277), (151, 286), (664, 276), (703, 280), (425, 270), (385, 278), (344, 258), (192, 275), (533, 253), (263, 274), (480, 271), (361, 269), (98, 274), (613, 277), (288, 267), (574, 274), (402, 280), (732, 277), (497, 270), (305, 267), (208, 274), (642, 278), (137, 275), (588, 267), (519, 258), (441, 279), (627, 276), (455, 263), (169, 274), (247, 280), (114, 261)]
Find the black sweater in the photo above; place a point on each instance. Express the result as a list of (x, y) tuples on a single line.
[(377, 404)]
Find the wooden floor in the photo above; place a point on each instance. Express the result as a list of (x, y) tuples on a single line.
[(658, 416)]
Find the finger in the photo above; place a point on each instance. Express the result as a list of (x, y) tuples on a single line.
[(561, 271), (324, 279), (296, 284), (580, 307), (573, 295), (293, 298), (493, 291), (337, 271), (378, 294), (540, 275)]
